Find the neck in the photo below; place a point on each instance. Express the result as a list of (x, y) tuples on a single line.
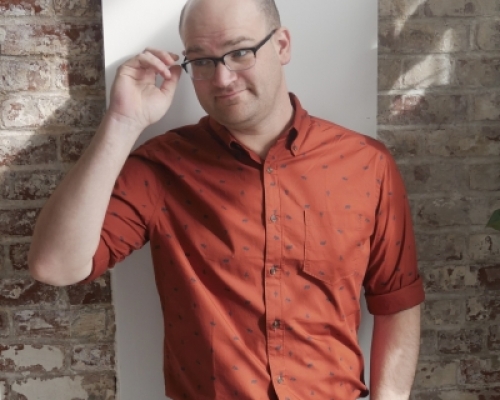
[(262, 136)]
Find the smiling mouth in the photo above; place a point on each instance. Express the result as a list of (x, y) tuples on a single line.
[(224, 96)]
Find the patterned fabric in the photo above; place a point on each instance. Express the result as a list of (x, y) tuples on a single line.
[(260, 264)]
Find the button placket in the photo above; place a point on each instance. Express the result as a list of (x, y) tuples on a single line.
[(272, 287)]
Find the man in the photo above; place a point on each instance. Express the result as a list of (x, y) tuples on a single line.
[(264, 222)]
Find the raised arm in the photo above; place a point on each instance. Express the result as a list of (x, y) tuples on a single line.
[(68, 229), (394, 354)]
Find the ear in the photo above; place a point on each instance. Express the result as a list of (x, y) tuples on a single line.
[(282, 43)]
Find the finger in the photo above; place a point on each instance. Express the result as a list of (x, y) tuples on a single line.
[(170, 84), (167, 57), (148, 60)]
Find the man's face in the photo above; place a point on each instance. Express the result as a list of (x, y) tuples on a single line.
[(236, 99)]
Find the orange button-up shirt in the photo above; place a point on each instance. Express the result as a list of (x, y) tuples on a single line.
[(260, 263)]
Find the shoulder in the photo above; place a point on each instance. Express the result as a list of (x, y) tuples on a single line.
[(348, 138), (172, 141)]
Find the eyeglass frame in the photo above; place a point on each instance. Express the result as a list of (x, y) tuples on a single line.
[(217, 60)]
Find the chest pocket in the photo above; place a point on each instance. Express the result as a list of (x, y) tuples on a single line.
[(333, 245), (334, 254)]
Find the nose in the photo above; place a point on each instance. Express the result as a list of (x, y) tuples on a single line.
[(223, 76)]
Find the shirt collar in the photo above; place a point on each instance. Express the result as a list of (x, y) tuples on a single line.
[(292, 139)]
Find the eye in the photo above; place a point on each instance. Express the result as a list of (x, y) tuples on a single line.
[(240, 53), (201, 62)]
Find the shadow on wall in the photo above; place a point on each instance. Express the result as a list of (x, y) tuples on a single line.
[(54, 340), (403, 68)]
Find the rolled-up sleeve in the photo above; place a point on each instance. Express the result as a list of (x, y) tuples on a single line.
[(392, 282), (131, 208)]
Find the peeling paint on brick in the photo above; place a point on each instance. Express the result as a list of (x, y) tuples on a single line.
[(41, 323), (96, 292), (92, 357), (32, 358), (26, 291), (54, 389)]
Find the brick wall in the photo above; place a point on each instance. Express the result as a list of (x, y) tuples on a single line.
[(439, 113), (55, 343)]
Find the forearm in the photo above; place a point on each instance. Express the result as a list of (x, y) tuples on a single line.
[(394, 354), (68, 228)]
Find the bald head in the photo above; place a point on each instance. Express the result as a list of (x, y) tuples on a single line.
[(267, 8)]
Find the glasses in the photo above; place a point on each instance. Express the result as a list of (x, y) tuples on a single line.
[(236, 60)]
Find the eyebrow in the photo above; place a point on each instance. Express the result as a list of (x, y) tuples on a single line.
[(228, 43)]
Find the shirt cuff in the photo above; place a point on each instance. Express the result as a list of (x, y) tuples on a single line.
[(99, 263), (393, 302)]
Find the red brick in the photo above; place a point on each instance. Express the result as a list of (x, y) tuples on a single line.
[(110, 323), (490, 393), (26, 291), (389, 73), (25, 7), (432, 178), (489, 277), (33, 185), (480, 371), (4, 324), (454, 8), (78, 8), (428, 342), (488, 34), (41, 323), (96, 292), (60, 39), (77, 74), (487, 106), (483, 309), (484, 247), (483, 72), (441, 247), (494, 338), (442, 312), (463, 341), (24, 150), (441, 212), (20, 74), (73, 145), (19, 256), (415, 109), (29, 112), (447, 278), (456, 142), (89, 325), (17, 222), (398, 8), (436, 374), (93, 357), (402, 144), (3, 258)]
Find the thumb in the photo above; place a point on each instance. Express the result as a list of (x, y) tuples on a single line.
[(171, 84)]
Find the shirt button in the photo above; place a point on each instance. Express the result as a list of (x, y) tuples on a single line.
[(273, 218), (272, 271), (270, 170), (280, 380), (276, 324)]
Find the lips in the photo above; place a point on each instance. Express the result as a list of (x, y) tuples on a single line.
[(228, 95)]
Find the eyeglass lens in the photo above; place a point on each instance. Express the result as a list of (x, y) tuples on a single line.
[(237, 60)]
